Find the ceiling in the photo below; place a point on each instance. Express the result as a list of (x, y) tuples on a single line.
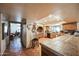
[(35, 12), (28, 11)]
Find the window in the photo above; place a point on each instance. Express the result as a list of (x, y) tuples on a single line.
[(56, 28), (15, 27), (5, 29)]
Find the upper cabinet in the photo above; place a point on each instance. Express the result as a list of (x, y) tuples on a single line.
[(70, 26)]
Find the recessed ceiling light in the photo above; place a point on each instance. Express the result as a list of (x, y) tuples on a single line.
[(50, 16), (45, 20)]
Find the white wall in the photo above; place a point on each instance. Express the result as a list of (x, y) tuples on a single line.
[(3, 42), (29, 35), (3, 46), (29, 38), (0, 34)]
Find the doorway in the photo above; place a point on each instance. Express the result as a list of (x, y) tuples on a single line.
[(15, 29), (15, 37)]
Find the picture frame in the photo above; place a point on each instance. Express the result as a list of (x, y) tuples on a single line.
[(4, 31)]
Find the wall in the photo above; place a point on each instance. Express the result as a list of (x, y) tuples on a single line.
[(3, 46), (4, 42), (0, 34), (29, 35), (24, 35)]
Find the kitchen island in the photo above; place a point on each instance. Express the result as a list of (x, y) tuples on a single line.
[(66, 45)]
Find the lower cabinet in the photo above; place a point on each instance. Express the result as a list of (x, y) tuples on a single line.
[(45, 51)]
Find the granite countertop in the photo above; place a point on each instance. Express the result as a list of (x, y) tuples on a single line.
[(67, 45)]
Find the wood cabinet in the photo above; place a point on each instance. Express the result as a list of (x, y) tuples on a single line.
[(46, 51), (70, 26)]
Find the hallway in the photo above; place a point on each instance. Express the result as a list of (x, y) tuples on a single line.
[(15, 49)]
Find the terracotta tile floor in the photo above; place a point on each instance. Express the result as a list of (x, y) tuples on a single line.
[(15, 49)]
